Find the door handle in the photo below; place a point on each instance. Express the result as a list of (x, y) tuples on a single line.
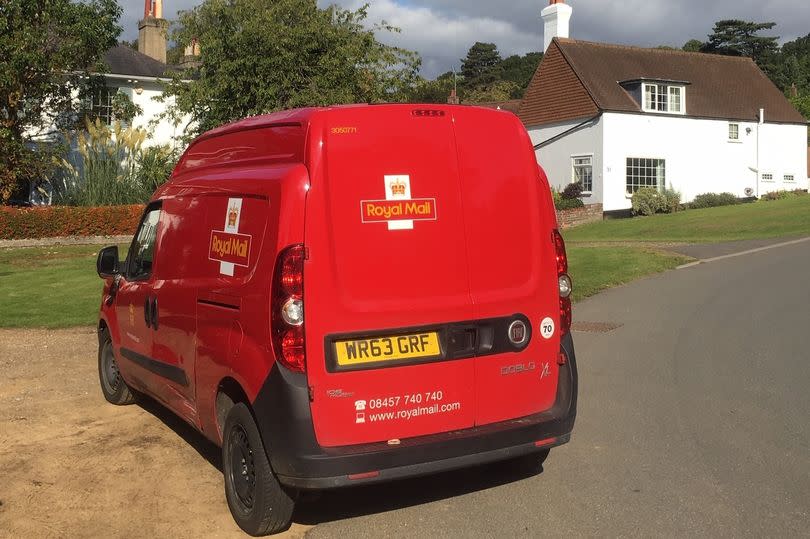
[(147, 311), (154, 313)]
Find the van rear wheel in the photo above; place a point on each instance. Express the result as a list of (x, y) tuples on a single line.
[(113, 386), (258, 502)]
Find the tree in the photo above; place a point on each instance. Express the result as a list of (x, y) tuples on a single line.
[(794, 66), (433, 91), (259, 56), (520, 70), (48, 51), (482, 66), (739, 38), (693, 45), (500, 90)]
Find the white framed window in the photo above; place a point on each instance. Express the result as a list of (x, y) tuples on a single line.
[(767, 177), (664, 98), (675, 99), (583, 171), (789, 178), (100, 104), (644, 172), (734, 132)]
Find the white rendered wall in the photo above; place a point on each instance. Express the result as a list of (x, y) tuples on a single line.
[(783, 151), (699, 156), (161, 131), (556, 158)]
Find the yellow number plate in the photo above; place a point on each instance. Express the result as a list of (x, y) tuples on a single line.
[(358, 352)]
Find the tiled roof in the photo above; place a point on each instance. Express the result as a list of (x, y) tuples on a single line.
[(123, 60), (512, 105), (723, 87)]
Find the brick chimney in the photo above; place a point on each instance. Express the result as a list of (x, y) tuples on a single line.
[(556, 21), (191, 55), (152, 31)]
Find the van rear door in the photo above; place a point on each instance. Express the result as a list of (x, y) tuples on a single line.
[(386, 269), (511, 258)]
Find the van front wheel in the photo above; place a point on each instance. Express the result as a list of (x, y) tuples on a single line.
[(113, 386), (258, 502)]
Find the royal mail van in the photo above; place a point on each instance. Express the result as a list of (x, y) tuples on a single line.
[(345, 295)]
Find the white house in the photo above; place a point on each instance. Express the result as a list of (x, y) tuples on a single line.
[(142, 76), (142, 79), (619, 118)]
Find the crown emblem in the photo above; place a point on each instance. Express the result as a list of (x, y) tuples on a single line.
[(233, 214), (398, 187)]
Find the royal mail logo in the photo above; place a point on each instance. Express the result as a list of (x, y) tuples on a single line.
[(382, 211), (399, 187), (399, 210), (233, 215), (230, 248)]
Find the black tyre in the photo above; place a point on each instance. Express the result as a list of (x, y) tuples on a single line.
[(113, 386), (258, 502)]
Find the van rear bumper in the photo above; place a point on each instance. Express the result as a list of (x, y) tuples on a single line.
[(283, 415)]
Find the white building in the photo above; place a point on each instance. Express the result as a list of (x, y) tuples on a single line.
[(142, 79), (619, 118), (142, 76)]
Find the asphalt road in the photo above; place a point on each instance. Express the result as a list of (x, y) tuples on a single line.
[(694, 420)]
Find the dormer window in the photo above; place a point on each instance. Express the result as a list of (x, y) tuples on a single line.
[(666, 98)]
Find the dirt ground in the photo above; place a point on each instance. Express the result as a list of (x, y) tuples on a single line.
[(72, 465)]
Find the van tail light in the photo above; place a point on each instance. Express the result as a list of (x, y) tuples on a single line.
[(287, 304), (564, 282)]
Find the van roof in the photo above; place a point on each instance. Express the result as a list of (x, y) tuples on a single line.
[(204, 152), (303, 115)]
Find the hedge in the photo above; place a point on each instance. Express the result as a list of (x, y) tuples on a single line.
[(57, 221)]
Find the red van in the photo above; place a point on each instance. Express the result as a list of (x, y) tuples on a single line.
[(346, 295)]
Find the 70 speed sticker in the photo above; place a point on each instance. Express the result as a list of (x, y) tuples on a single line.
[(547, 328)]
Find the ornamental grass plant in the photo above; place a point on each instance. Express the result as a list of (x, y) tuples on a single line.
[(112, 166)]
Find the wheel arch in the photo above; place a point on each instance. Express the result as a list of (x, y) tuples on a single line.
[(229, 393)]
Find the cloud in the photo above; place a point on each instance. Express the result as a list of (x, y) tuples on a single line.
[(443, 30)]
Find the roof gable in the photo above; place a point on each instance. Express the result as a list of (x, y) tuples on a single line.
[(722, 87), (555, 93)]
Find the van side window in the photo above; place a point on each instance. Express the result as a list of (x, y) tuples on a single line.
[(142, 250)]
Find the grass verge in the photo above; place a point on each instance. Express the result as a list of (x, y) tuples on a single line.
[(774, 219), (594, 269), (50, 287)]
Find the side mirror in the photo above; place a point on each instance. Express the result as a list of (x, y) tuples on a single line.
[(107, 262)]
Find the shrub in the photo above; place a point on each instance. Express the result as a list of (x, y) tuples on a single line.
[(776, 195), (114, 167), (648, 201), (555, 196), (155, 165), (672, 201), (572, 191), (713, 200), (56, 221), (569, 204), (781, 195)]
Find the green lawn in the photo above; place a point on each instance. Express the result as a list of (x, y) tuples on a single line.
[(56, 287), (594, 269), (780, 218), (49, 287)]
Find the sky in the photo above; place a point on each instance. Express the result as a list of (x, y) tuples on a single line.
[(443, 30)]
